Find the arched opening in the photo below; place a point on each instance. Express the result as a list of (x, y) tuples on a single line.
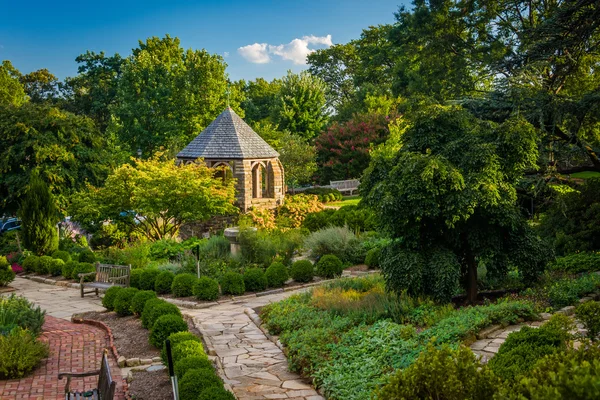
[(262, 181), (224, 171)]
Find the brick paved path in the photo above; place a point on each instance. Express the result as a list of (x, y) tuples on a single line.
[(73, 348)]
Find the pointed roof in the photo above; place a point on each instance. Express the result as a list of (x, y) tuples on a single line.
[(228, 136)]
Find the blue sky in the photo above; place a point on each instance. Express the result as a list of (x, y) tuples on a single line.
[(273, 35)]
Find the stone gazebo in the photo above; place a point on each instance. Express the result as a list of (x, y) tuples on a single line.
[(230, 144)]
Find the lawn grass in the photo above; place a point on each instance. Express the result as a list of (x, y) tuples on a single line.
[(586, 175), (346, 201)]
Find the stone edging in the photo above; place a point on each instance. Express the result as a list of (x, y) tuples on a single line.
[(49, 281), (111, 342)]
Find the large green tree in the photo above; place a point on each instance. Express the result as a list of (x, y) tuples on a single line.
[(67, 150), (298, 158), (41, 86), (154, 197), (11, 89), (166, 95), (261, 97), (301, 107), (448, 196)]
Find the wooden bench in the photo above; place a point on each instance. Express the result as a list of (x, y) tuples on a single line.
[(349, 185), (106, 386), (106, 275)]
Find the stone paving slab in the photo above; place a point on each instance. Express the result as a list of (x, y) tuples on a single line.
[(73, 348)]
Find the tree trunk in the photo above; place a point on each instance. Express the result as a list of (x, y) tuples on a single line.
[(471, 280)]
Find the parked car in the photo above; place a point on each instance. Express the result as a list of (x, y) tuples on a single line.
[(9, 224)]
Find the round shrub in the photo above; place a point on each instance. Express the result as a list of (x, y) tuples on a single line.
[(62, 255), (329, 266), (216, 393), (589, 315), (134, 277), (108, 301), (183, 285), (156, 308), (30, 264), (195, 381), (87, 256), (163, 282), (302, 271), (372, 258), (20, 353), (206, 288), (122, 303), (164, 326), (186, 349), (67, 269), (276, 274), (7, 275), (255, 279), (233, 283), (43, 266), (180, 337), (139, 301), (56, 267), (192, 362), (147, 278), (83, 268)]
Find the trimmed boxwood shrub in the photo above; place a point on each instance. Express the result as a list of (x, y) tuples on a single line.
[(192, 362), (186, 349), (163, 282), (216, 393), (62, 255), (83, 268), (588, 314), (206, 288), (56, 267), (67, 269), (183, 285), (7, 275), (233, 283), (156, 308), (302, 271), (43, 266), (255, 280), (108, 301), (180, 337), (372, 257), (276, 274), (30, 264), (329, 266), (122, 303), (139, 301), (522, 349), (147, 278), (195, 381), (134, 277), (164, 326), (87, 256), (20, 353)]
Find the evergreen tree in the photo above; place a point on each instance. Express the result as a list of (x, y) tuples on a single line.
[(39, 216)]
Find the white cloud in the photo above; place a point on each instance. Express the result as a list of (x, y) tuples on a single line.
[(226, 54), (296, 51), (255, 53)]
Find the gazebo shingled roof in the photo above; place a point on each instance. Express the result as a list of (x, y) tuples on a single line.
[(228, 137)]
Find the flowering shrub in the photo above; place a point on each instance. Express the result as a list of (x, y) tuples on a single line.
[(297, 207), (259, 218)]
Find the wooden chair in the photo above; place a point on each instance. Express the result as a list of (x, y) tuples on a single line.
[(106, 275), (104, 390)]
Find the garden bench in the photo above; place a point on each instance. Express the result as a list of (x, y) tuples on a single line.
[(349, 185), (106, 386), (106, 275)]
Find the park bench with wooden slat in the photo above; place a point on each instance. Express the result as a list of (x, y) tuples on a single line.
[(106, 275), (106, 386), (349, 185)]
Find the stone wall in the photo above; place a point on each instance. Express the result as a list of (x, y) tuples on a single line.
[(211, 226)]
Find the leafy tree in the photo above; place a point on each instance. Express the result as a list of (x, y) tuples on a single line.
[(66, 149), (301, 108), (343, 150), (39, 217), (448, 195), (155, 197), (298, 159), (261, 97), (167, 95), (94, 90), (41, 86), (11, 90)]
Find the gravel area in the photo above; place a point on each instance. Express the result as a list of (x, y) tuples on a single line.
[(151, 386)]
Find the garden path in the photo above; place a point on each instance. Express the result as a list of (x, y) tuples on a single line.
[(252, 365), (487, 347), (73, 348)]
